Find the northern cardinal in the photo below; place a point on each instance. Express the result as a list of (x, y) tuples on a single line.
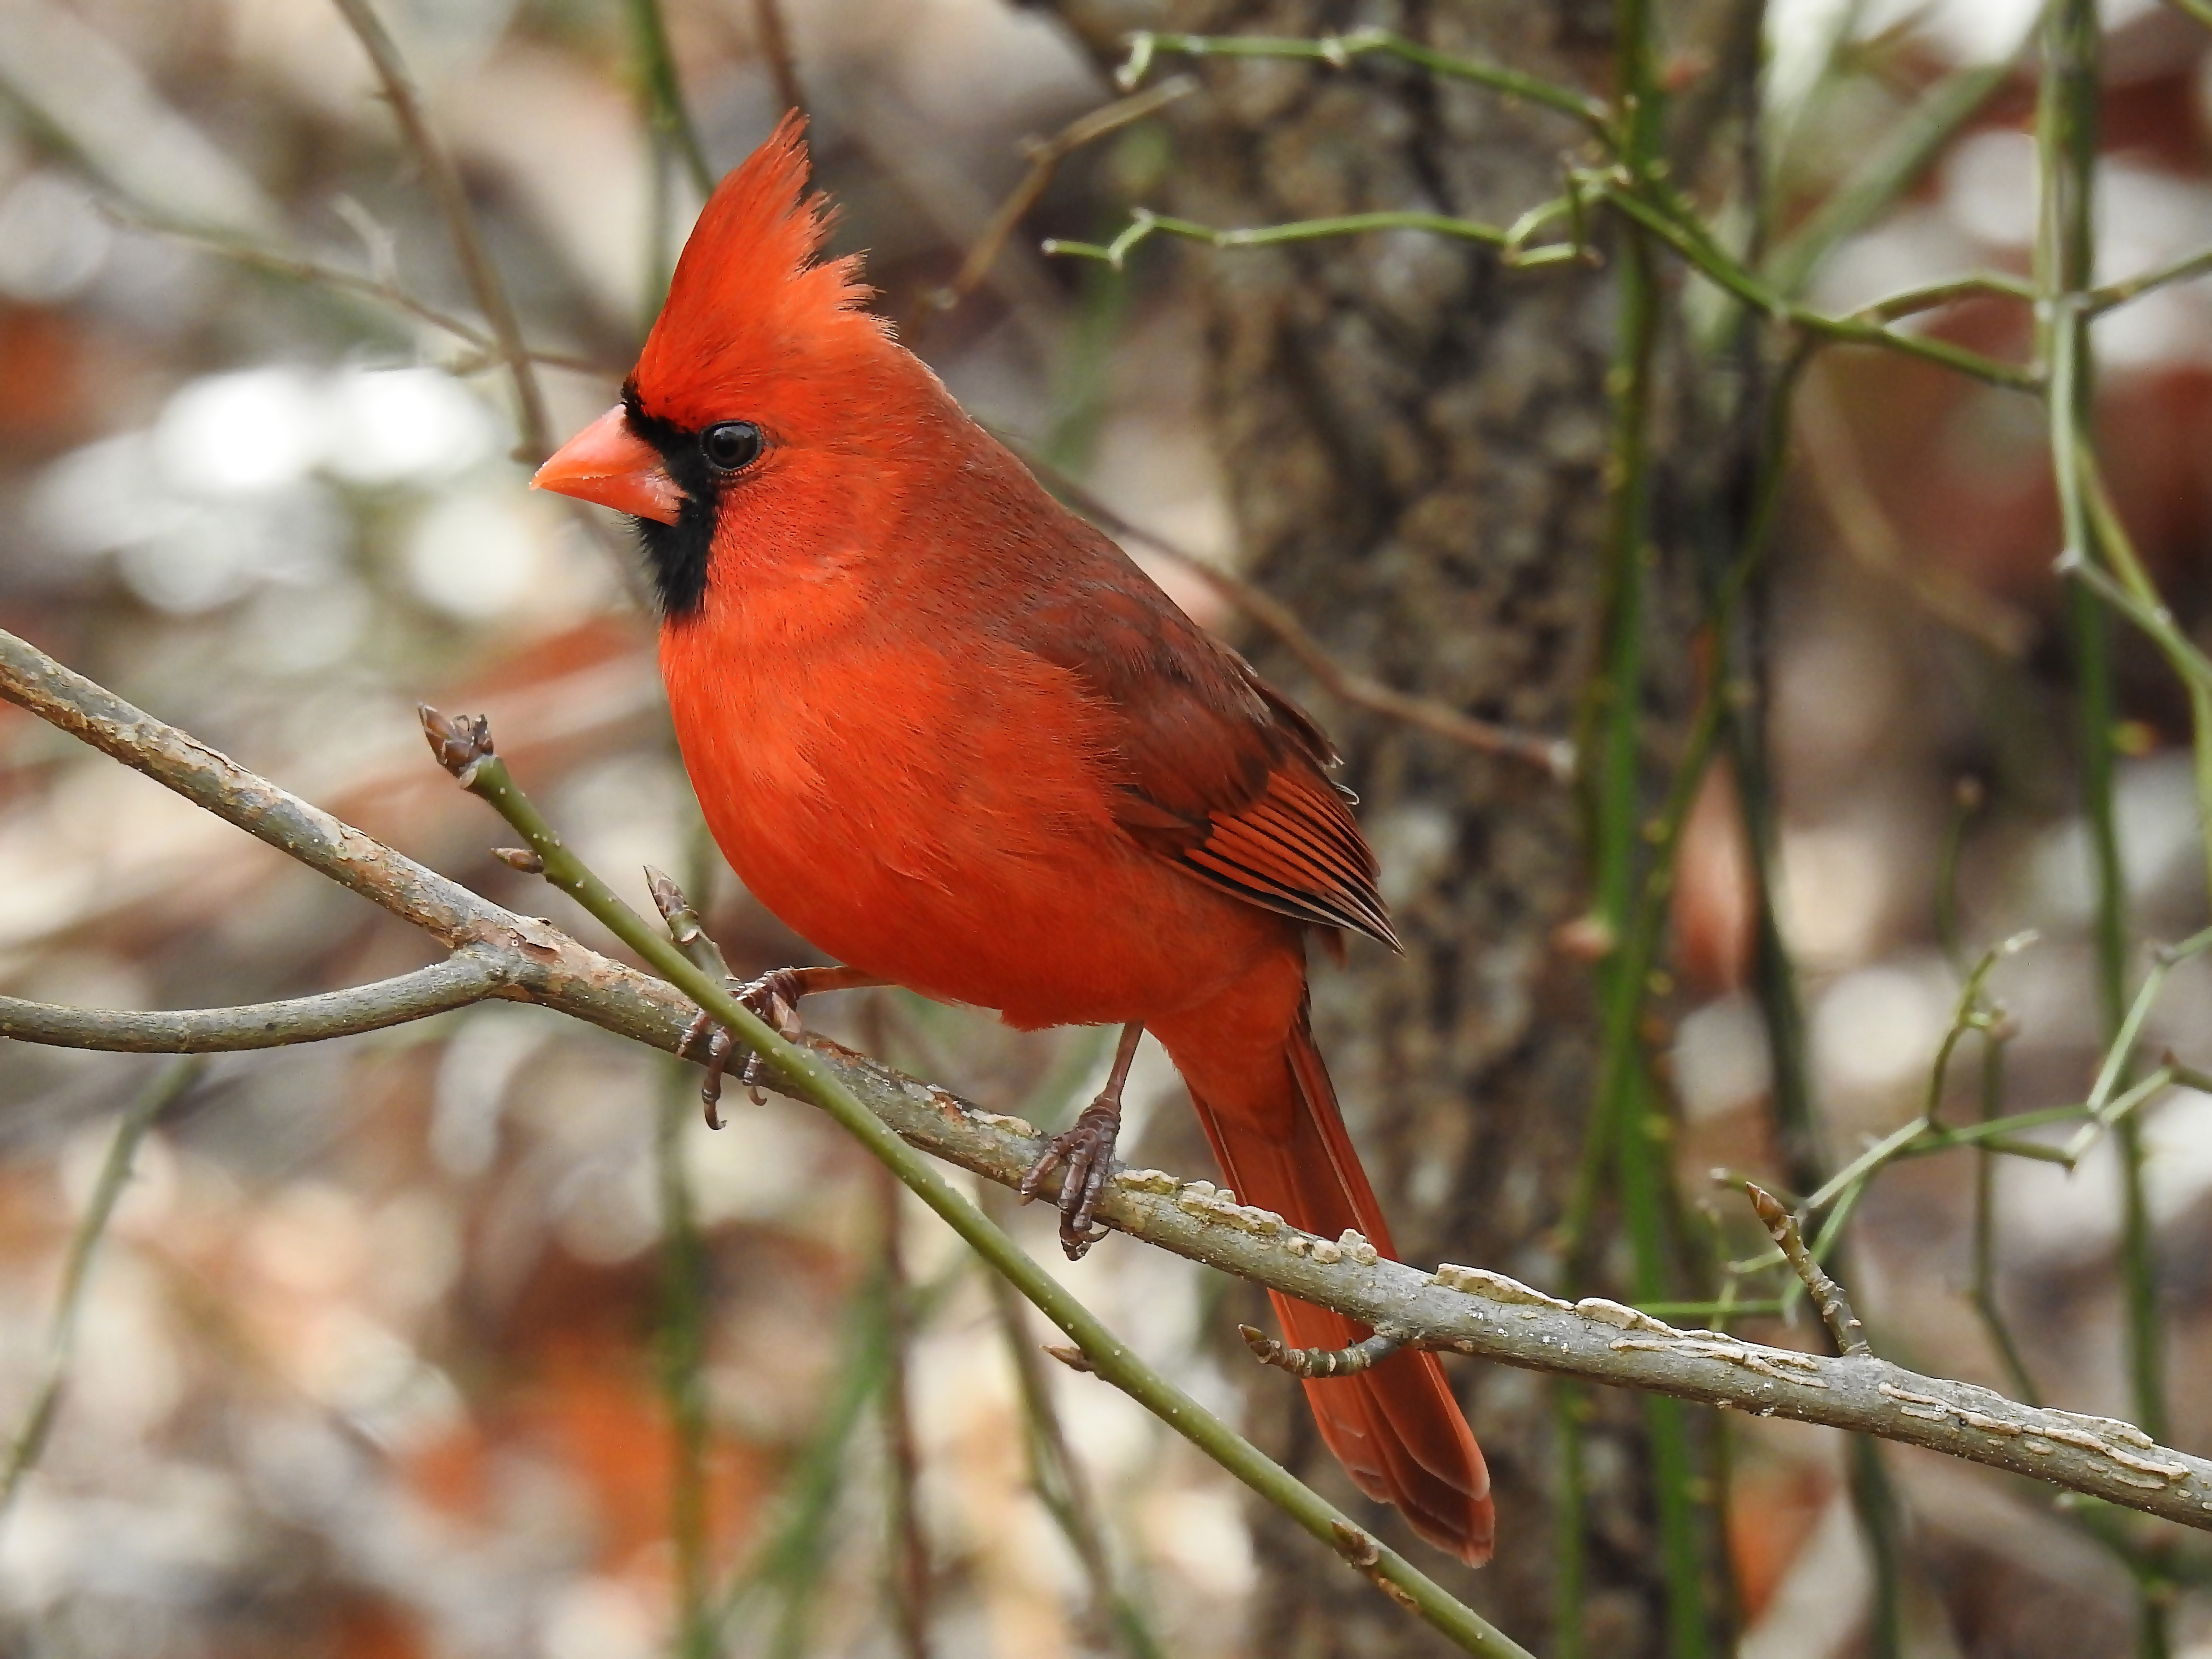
[(955, 739)]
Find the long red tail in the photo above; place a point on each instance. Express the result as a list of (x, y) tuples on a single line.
[(1281, 1144)]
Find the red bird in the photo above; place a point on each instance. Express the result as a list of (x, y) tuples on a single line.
[(955, 739)]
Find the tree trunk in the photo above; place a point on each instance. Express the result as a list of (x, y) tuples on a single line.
[(1418, 442)]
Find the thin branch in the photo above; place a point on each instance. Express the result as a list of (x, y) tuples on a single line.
[(1459, 1309), (1306, 1363), (1340, 51), (665, 111), (169, 1085), (1555, 755), (1828, 1297), (1979, 285), (2098, 300), (1045, 156), (776, 47), (451, 196), (300, 269), (1847, 496), (1651, 206), (466, 976), (1145, 224)]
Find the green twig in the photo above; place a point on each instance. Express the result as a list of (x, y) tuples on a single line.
[(1144, 224), (662, 94), (2066, 144), (1340, 49), (1651, 206)]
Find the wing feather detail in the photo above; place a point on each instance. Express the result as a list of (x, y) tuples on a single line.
[(1221, 775)]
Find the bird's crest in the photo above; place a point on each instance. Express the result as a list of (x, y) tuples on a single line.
[(750, 302)]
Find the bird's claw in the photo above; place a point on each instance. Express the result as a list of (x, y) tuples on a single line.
[(775, 998), (1085, 1154)]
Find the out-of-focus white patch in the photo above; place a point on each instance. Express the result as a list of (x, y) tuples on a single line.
[(294, 630), (598, 1618), (244, 433), (310, 1240), (479, 1063), (1911, 248), (225, 492), (1832, 891), (2048, 1219), (473, 556), (386, 425), (1721, 1060), (1989, 186), (756, 1175), (2178, 1136), (1412, 845), (2148, 217), (1799, 36), (51, 241), (1202, 1535), (1821, 1602), (607, 1208), (1878, 1029), (2154, 812), (416, 1241)]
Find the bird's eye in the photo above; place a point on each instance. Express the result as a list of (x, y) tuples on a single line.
[(731, 445)]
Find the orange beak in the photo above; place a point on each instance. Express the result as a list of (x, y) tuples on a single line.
[(609, 463)]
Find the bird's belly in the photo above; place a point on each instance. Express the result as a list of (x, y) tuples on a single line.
[(967, 855)]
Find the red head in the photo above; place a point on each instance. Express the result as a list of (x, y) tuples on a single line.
[(760, 384)]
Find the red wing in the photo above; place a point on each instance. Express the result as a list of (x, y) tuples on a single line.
[(1224, 777)]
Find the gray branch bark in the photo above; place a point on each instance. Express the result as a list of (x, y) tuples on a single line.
[(1456, 1310), (467, 977)]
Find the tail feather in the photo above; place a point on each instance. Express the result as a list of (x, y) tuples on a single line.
[(1397, 1428)]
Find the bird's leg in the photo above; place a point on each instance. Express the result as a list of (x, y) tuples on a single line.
[(774, 997), (1087, 1152)]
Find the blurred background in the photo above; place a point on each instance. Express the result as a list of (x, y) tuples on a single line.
[(393, 1340)]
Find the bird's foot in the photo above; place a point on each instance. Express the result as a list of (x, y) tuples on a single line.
[(775, 998), (1085, 1154)]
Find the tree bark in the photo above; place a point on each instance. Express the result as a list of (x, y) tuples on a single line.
[(1417, 441)]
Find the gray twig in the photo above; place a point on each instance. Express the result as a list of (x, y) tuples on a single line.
[(1319, 1362), (466, 976), (451, 196)]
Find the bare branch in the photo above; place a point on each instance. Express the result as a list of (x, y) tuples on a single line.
[(381, 289), (776, 47), (170, 1085), (1339, 50), (451, 196), (1045, 156), (1458, 1309), (465, 977), (1319, 1362)]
